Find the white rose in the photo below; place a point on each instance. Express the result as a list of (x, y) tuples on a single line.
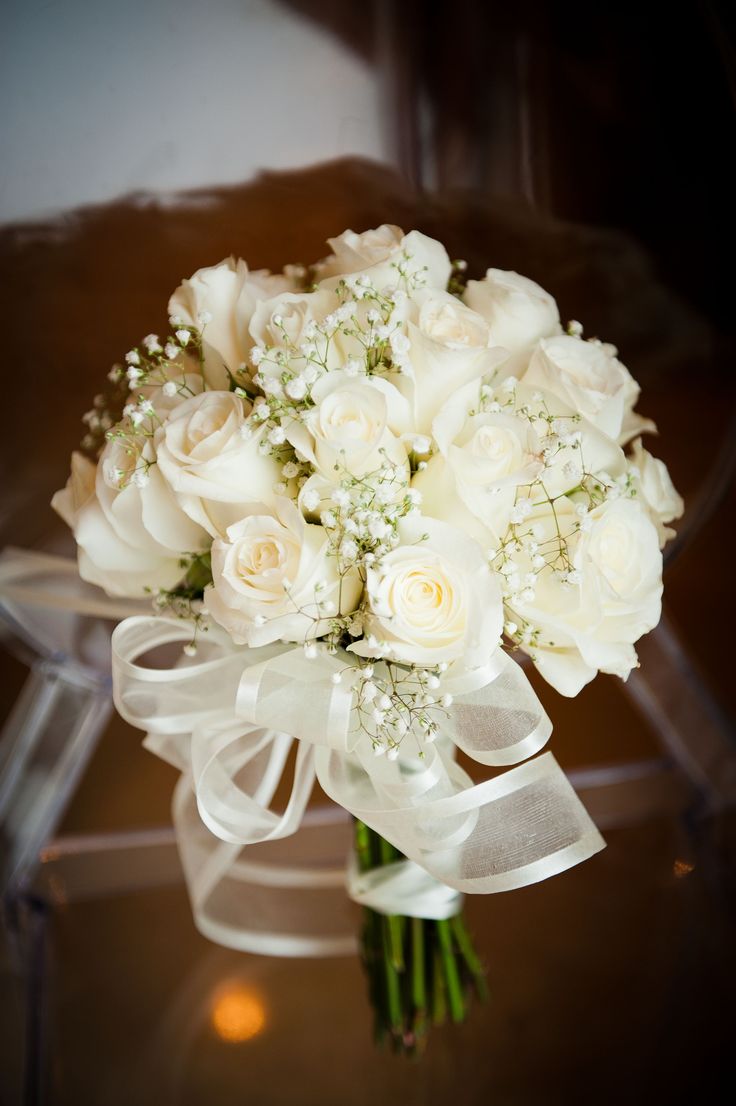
[(483, 458), (289, 321), (589, 622), (274, 579), (448, 347), (130, 539), (587, 375), (213, 462), (518, 311), (656, 490), (228, 293), (375, 254), (633, 423), (352, 427), (431, 601)]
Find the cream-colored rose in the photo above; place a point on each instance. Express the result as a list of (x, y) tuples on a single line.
[(656, 491), (130, 538), (213, 461), (275, 580), (433, 599), (518, 311), (587, 375), (296, 321), (376, 253), (633, 423), (483, 459), (448, 347), (284, 320), (353, 427), (587, 610), (220, 300)]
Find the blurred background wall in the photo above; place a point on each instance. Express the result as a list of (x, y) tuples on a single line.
[(101, 98)]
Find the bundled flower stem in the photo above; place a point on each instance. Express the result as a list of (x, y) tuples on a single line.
[(420, 971)]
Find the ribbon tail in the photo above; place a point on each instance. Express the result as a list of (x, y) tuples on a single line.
[(508, 832), (269, 899)]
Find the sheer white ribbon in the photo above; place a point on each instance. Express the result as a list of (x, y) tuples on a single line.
[(231, 721)]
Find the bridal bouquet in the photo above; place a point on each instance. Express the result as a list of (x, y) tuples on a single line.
[(357, 494)]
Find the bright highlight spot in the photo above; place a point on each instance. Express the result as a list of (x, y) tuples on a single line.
[(238, 1013)]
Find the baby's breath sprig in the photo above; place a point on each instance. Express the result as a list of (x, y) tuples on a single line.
[(394, 702), (148, 366), (185, 600)]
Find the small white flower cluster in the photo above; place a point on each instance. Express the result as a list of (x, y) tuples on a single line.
[(393, 703), (363, 514)]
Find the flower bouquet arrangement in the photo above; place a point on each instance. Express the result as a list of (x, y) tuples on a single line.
[(357, 494)]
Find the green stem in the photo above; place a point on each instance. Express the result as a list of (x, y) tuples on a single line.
[(418, 971), (393, 987), (451, 974), (439, 998), (470, 956), (388, 855)]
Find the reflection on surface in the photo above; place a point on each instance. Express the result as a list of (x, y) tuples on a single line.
[(238, 1013), (682, 868)]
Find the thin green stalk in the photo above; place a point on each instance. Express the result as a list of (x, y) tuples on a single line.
[(393, 986), (363, 846), (451, 974), (469, 955), (418, 971), (439, 997), (388, 855)]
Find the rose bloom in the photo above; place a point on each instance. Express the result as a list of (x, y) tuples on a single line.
[(132, 539), (274, 579), (588, 376), (229, 293), (591, 625), (287, 321), (471, 482), (375, 253), (431, 601), (214, 471), (353, 427), (518, 311), (448, 346), (656, 491)]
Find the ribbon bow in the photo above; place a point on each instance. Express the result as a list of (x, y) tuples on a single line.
[(229, 722)]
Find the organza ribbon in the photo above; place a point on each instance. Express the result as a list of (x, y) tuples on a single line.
[(229, 722)]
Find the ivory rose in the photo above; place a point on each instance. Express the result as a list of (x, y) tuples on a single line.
[(213, 461), (432, 599), (588, 612), (483, 458), (588, 376), (374, 254), (130, 539), (274, 579), (656, 491), (448, 347), (353, 428), (220, 300), (517, 310)]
